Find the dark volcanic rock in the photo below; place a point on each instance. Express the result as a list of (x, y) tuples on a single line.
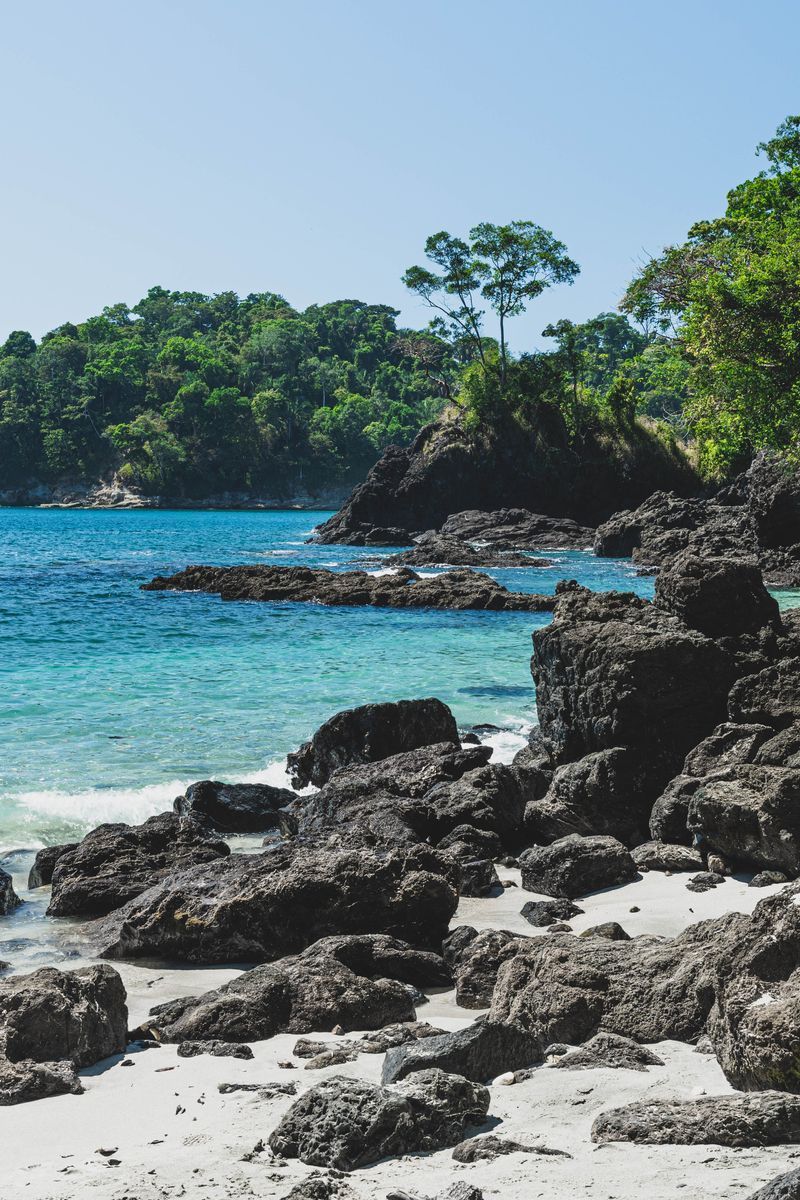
[(216, 1048), (545, 912), (783, 1187), (480, 1052), (433, 549), (48, 1015), (604, 792), (346, 1123), (721, 597), (490, 1146), (41, 873), (475, 958), (612, 931), (751, 815), (774, 501), (515, 528), (9, 900), (768, 1119), (234, 807), (368, 734), (666, 524), (264, 906), (23, 1081), (574, 866), (457, 589), (609, 1050), (664, 856), (115, 863)]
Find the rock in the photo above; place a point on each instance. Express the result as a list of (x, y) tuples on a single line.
[(490, 1146), (79, 1016), (666, 525), (566, 989), (358, 982), (783, 1187), (115, 863), (369, 734), (9, 900), (514, 528), (234, 807), (610, 930), (479, 1052), (751, 815), (767, 879), (544, 912), (478, 876), (251, 908), (720, 597), (609, 1050), (27, 1080), (704, 881), (665, 856), (321, 1187), (770, 697), (432, 549), (458, 589), (774, 501), (41, 873), (475, 959), (395, 1035), (768, 1119), (347, 1123), (603, 792), (575, 866), (216, 1048)]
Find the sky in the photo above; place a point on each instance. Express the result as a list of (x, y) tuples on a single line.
[(310, 147)]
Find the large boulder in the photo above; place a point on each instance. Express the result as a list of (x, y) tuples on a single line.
[(259, 907), (769, 1119), (234, 807), (23, 1081), (480, 1052), (475, 958), (368, 734), (774, 501), (720, 597), (79, 1016), (783, 1187), (514, 528), (347, 1123), (664, 856), (603, 792), (41, 873), (355, 982), (114, 863), (9, 900), (750, 815), (574, 866), (666, 525)]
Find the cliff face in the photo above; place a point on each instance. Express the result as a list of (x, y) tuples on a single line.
[(448, 469)]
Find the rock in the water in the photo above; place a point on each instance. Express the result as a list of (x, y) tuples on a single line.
[(480, 1052), (347, 1123), (609, 1050), (257, 907), (234, 807), (368, 734), (79, 1016), (41, 873), (575, 866), (542, 913), (216, 1048), (666, 856), (9, 900), (115, 863), (460, 589), (783, 1187), (358, 982), (768, 1119), (432, 549), (514, 528)]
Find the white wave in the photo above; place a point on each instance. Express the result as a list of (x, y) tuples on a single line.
[(508, 741)]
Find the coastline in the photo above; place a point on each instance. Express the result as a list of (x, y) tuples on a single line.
[(111, 495)]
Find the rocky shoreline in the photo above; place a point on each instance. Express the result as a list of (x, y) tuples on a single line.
[(663, 769), (113, 493)]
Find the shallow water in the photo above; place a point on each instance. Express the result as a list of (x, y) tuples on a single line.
[(114, 699)]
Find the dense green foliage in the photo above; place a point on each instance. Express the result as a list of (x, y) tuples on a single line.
[(189, 395), (731, 296)]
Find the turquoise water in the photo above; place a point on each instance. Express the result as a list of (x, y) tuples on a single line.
[(113, 699)]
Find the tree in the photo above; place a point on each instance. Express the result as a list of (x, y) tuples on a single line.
[(507, 265)]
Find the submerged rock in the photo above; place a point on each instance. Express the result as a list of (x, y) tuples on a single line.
[(457, 589), (234, 807), (432, 549), (115, 863), (347, 1123), (768, 1119), (368, 734)]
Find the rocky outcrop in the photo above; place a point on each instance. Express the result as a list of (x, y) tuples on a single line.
[(234, 807), (115, 863), (475, 959), (432, 549), (404, 588), (508, 529), (480, 1052), (355, 982), (52, 1022), (368, 734), (9, 900), (783, 1187), (347, 1123), (41, 873), (450, 468), (260, 907), (575, 866), (769, 1119), (720, 597)]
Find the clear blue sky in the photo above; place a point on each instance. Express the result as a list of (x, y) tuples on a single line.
[(309, 146)]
